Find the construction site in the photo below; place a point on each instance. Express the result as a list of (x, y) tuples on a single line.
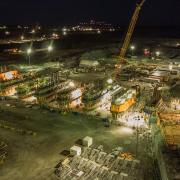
[(86, 117)]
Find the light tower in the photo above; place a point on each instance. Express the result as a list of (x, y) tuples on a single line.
[(29, 51)]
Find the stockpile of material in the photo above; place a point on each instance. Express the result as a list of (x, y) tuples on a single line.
[(170, 127), (3, 152), (95, 163)]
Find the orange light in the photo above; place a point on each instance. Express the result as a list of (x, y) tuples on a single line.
[(8, 75), (123, 107)]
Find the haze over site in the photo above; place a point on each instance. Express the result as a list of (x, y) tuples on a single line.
[(161, 12)]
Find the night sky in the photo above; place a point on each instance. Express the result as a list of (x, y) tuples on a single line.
[(154, 12)]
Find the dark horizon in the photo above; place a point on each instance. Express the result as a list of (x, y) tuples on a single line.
[(122, 27), (64, 12)]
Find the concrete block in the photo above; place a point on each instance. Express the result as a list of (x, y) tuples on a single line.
[(75, 151), (87, 141)]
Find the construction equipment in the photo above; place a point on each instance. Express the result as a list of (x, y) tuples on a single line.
[(128, 36)]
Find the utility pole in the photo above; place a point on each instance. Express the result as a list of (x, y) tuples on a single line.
[(137, 139)]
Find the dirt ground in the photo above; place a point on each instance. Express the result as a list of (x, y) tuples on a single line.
[(34, 157)]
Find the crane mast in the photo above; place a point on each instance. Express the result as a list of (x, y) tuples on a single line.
[(129, 35)]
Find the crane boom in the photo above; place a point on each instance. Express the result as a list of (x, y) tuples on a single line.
[(129, 34)]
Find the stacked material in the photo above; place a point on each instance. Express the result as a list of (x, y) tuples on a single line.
[(169, 118), (87, 141), (97, 164), (172, 134), (3, 152), (170, 127), (75, 151)]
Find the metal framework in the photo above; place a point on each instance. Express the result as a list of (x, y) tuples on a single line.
[(129, 35)]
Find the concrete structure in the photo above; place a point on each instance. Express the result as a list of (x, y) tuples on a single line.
[(75, 151), (69, 98), (93, 97), (89, 63), (87, 141), (6, 76), (123, 102), (160, 75)]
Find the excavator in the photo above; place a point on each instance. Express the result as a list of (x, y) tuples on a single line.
[(128, 37)]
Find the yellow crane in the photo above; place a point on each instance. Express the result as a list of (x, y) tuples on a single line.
[(128, 36)]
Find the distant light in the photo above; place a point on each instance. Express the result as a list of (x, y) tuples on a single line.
[(29, 51), (50, 48), (109, 81), (170, 67), (158, 53), (33, 31), (7, 33), (54, 35), (99, 32), (64, 33), (22, 37), (147, 52), (3, 27), (64, 29), (111, 29), (132, 47)]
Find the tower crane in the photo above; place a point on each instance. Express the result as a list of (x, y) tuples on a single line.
[(129, 34)]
